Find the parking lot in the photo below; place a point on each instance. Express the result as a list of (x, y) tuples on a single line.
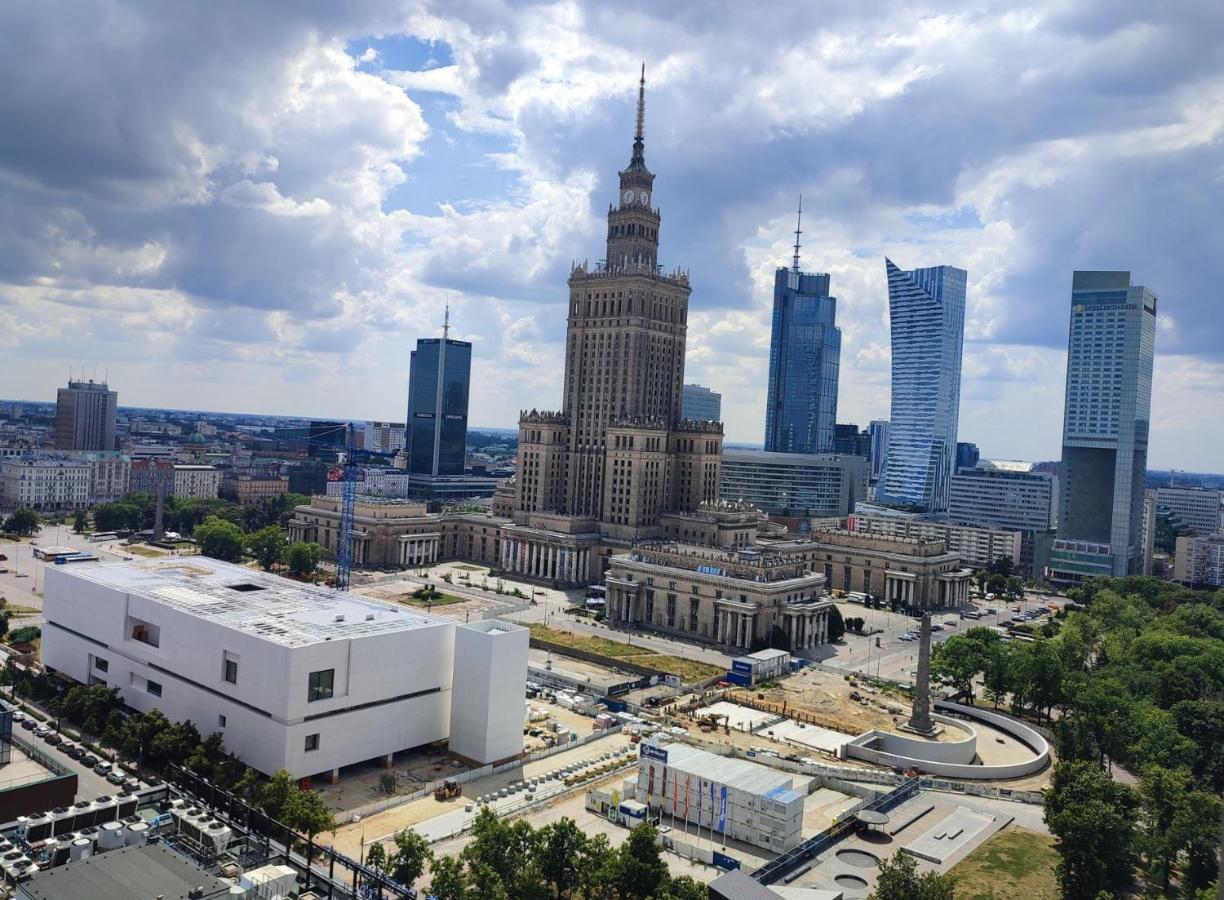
[(68, 753)]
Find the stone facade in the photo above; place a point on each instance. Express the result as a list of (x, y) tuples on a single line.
[(618, 459), (921, 574), (734, 598), (248, 489)]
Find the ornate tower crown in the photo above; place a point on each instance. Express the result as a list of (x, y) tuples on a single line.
[(633, 224)]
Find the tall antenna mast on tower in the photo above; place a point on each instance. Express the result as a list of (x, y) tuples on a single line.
[(446, 322), (798, 231)]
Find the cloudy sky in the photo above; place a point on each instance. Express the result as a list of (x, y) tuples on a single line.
[(260, 206)]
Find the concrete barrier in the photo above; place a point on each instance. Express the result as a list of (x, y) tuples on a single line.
[(926, 764)]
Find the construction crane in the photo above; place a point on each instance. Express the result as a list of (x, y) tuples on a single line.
[(347, 473)]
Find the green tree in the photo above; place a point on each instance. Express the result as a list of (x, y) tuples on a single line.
[(220, 539), (837, 626), (1093, 818), (1203, 722), (640, 870), (303, 558), (1162, 795), (562, 847), (448, 880), (23, 522), (376, 857), (174, 744), (268, 546), (898, 879), (79, 522), (140, 732), (274, 796), (307, 811), (4, 623), (411, 854), (682, 888)]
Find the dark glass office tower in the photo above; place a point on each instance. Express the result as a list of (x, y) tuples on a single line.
[(440, 375), (1110, 354), (804, 355)]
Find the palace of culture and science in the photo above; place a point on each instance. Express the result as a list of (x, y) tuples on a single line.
[(616, 487)]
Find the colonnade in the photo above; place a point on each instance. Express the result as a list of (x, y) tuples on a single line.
[(900, 589), (806, 629), (550, 562), (734, 627), (954, 592), (418, 549)]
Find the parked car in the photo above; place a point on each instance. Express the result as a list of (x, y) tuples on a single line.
[(18, 716), (935, 626), (89, 760), (131, 785), (67, 747), (29, 724), (53, 738), (116, 777), (103, 768), (41, 731), (77, 752)]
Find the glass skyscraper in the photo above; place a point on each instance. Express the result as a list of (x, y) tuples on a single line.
[(439, 379), (804, 355), (1110, 351), (926, 309)]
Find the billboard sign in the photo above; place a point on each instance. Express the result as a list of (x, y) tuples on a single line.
[(658, 754)]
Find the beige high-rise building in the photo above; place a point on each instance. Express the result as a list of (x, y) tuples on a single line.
[(618, 456)]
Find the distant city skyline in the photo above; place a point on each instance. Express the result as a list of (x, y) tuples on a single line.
[(275, 217)]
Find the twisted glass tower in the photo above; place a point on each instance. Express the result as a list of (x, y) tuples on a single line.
[(926, 309)]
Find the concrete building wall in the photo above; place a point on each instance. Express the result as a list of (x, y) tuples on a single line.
[(486, 722), (390, 691)]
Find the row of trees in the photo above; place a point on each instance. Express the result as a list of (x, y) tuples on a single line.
[(514, 860), (22, 522), (153, 741), (269, 546), (1135, 679), (136, 512)]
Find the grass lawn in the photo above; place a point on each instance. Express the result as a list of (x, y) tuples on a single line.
[(687, 669), (589, 643), (143, 551), (467, 568), (1013, 865), (17, 612)]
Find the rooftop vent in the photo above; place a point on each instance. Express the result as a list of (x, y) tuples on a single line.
[(246, 587), (339, 618), (369, 617)]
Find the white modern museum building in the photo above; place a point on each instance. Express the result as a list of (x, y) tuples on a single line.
[(294, 676)]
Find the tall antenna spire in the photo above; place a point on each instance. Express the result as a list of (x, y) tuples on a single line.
[(798, 231), (446, 322), (639, 143)]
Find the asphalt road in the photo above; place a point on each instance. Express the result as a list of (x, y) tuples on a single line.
[(89, 783)]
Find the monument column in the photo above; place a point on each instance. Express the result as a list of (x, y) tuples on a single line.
[(920, 719)]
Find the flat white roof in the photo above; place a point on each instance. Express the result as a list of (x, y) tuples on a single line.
[(751, 778), (276, 609)]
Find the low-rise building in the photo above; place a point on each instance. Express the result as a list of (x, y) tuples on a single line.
[(1190, 508), (977, 547), (294, 676), (734, 598), (250, 488), (912, 573), (1199, 560), (1010, 500), (794, 484), (47, 483), (176, 479), (109, 475), (744, 800)]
